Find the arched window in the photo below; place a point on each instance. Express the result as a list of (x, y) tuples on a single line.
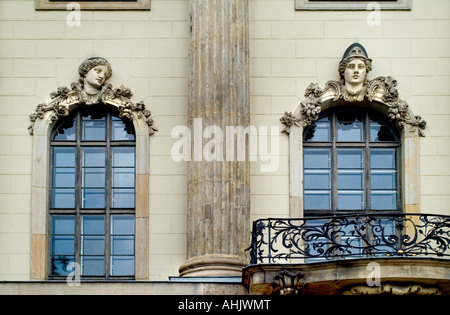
[(92, 195), (351, 162)]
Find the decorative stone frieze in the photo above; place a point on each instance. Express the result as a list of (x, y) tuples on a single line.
[(355, 88), (350, 277), (90, 90), (392, 289)]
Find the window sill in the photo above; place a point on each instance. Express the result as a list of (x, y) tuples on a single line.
[(94, 5), (308, 5)]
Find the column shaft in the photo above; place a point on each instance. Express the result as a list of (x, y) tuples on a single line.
[(218, 184)]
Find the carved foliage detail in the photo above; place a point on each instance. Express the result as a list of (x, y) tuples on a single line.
[(64, 98), (287, 283), (382, 89)]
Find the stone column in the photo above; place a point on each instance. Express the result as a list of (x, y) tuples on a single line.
[(218, 229)]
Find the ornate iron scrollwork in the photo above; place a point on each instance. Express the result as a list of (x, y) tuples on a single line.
[(343, 237)]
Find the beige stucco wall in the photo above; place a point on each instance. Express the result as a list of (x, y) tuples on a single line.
[(149, 54)]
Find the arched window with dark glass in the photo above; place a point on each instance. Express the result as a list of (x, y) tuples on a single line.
[(351, 162), (92, 195)]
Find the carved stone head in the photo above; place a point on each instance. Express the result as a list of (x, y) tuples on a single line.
[(353, 69), (93, 74)]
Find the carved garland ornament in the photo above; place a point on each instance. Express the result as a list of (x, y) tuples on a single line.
[(92, 89), (354, 87)]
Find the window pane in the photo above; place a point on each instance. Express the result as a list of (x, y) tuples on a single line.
[(94, 157), (123, 156), (93, 198), (122, 224), (317, 199), (350, 126), (382, 158), (94, 129), (94, 224), (123, 177), (350, 179), (63, 177), (383, 179), (123, 245), (122, 265), (384, 200), (59, 265), (67, 131), (318, 130), (63, 198), (317, 179), (379, 132), (63, 157), (122, 198), (93, 245), (316, 158), (63, 224), (93, 265), (94, 177), (350, 200), (350, 158), (122, 130), (63, 244)]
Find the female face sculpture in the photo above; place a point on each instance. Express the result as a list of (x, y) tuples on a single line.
[(93, 74), (95, 78)]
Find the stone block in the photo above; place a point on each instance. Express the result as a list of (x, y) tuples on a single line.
[(39, 29), (17, 48), (272, 86), (272, 48), (169, 48), (297, 29)]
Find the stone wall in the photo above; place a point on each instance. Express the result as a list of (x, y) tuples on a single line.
[(148, 51)]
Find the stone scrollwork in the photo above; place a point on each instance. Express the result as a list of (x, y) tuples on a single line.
[(355, 88), (92, 89), (287, 283)]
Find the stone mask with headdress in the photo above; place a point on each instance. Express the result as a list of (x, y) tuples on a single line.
[(355, 50)]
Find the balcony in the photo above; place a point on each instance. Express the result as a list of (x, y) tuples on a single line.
[(351, 254)]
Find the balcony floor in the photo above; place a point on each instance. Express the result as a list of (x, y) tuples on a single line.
[(351, 276)]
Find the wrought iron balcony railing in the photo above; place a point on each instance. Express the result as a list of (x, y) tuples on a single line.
[(350, 236)]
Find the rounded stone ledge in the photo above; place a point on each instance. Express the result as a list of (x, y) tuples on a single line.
[(397, 275), (213, 266), (119, 288)]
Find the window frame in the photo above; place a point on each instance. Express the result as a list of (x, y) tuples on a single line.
[(308, 5), (95, 5), (366, 145), (79, 212)]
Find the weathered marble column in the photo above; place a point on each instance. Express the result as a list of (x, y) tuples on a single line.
[(218, 229)]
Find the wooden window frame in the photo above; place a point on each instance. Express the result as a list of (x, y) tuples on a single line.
[(42, 131), (79, 211), (366, 145)]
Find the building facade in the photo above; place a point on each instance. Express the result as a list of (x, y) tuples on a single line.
[(145, 145)]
